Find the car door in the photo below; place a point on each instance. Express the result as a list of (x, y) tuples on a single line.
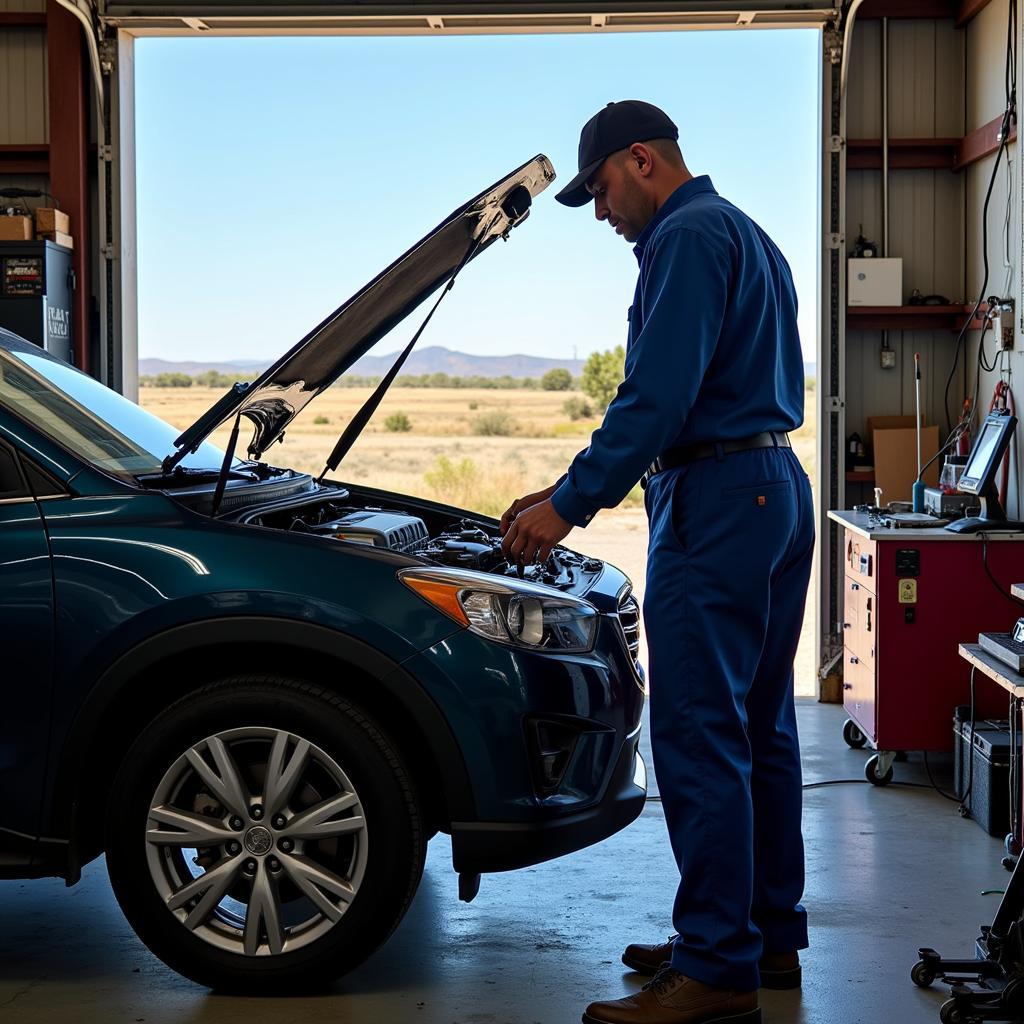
[(26, 639)]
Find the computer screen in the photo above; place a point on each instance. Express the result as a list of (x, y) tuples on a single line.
[(987, 453)]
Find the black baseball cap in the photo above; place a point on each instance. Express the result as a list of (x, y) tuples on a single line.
[(612, 128)]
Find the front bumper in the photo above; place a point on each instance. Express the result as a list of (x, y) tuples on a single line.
[(480, 846)]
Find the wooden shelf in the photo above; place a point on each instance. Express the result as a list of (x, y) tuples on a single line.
[(855, 476), (904, 154), (25, 158), (908, 318), (949, 154)]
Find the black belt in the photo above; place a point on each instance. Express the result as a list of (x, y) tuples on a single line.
[(688, 453)]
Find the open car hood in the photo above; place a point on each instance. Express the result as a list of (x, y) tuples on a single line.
[(279, 394)]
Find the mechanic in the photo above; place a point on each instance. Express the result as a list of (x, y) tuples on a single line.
[(713, 383)]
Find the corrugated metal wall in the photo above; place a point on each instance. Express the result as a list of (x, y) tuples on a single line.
[(985, 100), (944, 82), (24, 106), (926, 209)]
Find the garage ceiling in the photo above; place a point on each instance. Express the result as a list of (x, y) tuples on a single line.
[(467, 16)]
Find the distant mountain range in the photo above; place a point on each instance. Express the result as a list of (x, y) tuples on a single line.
[(432, 359)]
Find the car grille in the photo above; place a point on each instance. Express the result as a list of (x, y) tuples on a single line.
[(629, 621)]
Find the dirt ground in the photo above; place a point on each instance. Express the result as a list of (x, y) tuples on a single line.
[(444, 459)]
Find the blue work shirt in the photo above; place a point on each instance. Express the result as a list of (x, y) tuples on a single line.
[(713, 352)]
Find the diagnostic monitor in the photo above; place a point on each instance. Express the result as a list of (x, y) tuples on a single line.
[(979, 475)]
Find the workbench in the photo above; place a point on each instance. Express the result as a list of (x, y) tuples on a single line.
[(911, 598), (1013, 683)]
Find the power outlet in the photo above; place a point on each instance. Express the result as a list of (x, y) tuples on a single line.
[(1007, 326)]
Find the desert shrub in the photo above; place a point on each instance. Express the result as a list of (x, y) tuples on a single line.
[(172, 380), (497, 423), (558, 379), (810, 383), (474, 406), (320, 420), (465, 485), (398, 423), (577, 408)]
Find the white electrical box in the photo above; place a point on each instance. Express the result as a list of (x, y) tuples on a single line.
[(875, 282)]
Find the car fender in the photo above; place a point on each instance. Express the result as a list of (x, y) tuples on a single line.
[(397, 682)]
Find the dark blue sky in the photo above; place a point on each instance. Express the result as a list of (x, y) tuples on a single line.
[(278, 175)]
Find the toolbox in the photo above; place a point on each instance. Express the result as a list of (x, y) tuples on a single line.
[(982, 762)]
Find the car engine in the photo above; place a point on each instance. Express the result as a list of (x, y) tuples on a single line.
[(460, 543)]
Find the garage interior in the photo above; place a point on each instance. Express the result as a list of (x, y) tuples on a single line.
[(919, 162)]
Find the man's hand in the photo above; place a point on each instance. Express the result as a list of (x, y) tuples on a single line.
[(533, 533), (525, 502)]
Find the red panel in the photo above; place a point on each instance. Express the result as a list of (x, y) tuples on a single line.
[(920, 676), (968, 9), (25, 158), (907, 9), (69, 92), (22, 19)]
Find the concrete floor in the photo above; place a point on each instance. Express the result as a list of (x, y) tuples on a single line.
[(888, 870)]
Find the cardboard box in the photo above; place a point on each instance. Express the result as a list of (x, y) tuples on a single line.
[(894, 443), (15, 229), (58, 237), (874, 282), (49, 220)]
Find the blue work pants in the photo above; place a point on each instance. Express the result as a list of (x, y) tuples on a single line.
[(731, 546)]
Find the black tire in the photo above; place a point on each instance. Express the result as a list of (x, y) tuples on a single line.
[(391, 856), (871, 772), (921, 974), (949, 1012), (853, 736)]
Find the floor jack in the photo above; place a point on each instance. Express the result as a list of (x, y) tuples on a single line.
[(990, 987)]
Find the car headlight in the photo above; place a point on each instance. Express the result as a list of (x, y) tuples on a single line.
[(509, 611)]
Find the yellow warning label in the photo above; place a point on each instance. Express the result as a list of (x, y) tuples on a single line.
[(908, 591)]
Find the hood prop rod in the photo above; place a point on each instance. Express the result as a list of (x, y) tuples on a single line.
[(369, 407), (225, 468)]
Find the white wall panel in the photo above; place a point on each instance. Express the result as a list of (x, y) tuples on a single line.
[(926, 207), (24, 114), (985, 101)]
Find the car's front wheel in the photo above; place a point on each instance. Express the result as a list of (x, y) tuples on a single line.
[(262, 835)]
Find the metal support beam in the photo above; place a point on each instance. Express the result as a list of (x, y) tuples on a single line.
[(69, 136)]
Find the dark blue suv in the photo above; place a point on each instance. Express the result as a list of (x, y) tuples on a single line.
[(260, 693)]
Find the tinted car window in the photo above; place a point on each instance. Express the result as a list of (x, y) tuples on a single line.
[(97, 424), (11, 485)]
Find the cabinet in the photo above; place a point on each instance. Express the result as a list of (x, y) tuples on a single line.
[(910, 597)]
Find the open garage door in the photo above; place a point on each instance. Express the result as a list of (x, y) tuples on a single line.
[(113, 27)]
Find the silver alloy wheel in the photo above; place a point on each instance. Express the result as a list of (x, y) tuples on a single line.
[(256, 841)]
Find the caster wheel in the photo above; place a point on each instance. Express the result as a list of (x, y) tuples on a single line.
[(921, 974), (1012, 997), (949, 1013), (1011, 845), (853, 736), (872, 774)]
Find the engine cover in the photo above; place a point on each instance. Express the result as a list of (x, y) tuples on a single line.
[(394, 530)]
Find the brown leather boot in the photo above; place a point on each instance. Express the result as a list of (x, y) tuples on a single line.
[(672, 998), (778, 970)]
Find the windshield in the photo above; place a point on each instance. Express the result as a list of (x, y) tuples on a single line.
[(97, 424)]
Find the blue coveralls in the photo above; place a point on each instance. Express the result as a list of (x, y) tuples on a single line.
[(713, 355)]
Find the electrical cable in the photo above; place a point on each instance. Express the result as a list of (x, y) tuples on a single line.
[(935, 785), (988, 572), (1009, 115)]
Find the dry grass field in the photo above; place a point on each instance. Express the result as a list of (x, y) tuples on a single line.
[(442, 458)]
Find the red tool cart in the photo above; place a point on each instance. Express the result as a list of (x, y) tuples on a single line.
[(911, 597)]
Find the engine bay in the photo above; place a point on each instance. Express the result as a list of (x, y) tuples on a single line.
[(461, 543)]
